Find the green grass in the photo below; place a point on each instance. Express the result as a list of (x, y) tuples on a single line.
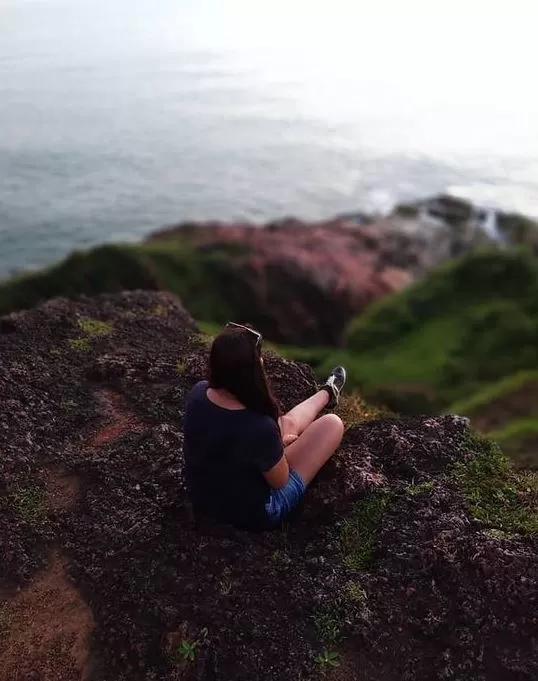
[(358, 530), (519, 440), (493, 392), (498, 496), (212, 284), (421, 488), (328, 625), (94, 327), (356, 593), (447, 336), (82, 344), (181, 367), (28, 502), (105, 269), (209, 328)]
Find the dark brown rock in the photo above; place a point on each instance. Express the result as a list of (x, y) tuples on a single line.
[(95, 409)]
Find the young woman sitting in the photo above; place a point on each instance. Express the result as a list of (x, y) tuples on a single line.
[(246, 464)]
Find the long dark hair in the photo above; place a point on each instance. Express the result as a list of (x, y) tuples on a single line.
[(235, 365)]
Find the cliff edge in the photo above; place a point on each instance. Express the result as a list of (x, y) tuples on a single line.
[(415, 555)]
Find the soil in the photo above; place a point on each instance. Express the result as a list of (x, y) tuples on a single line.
[(46, 629), (105, 577)]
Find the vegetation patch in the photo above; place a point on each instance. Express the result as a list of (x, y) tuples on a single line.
[(445, 337), (519, 439), (186, 651), (327, 659), (421, 488), (358, 530), (328, 624), (352, 409), (493, 392), (28, 502), (82, 344), (356, 593), (181, 367), (94, 327), (495, 493)]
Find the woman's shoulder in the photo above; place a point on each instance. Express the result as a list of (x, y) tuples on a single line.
[(197, 390)]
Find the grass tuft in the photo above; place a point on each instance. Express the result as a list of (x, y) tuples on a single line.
[(352, 409), (82, 344), (181, 367), (498, 496), (356, 593), (94, 327), (358, 530), (421, 488)]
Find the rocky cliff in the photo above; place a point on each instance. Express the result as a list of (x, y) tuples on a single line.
[(299, 282), (414, 556)]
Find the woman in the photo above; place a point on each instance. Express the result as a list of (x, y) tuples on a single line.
[(245, 463)]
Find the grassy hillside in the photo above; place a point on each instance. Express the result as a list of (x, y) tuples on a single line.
[(495, 405), (519, 440), (198, 279), (469, 323)]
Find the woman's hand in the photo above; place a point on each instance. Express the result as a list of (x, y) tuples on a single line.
[(289, 438)]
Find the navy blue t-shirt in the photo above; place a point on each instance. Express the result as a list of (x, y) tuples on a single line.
[(226, 451)]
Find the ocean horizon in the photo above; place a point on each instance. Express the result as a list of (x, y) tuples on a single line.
[(119, 118)]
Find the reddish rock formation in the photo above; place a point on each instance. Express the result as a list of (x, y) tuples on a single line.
[(301, 283)]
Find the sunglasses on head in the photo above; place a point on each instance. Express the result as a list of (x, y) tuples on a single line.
[(256, 334)]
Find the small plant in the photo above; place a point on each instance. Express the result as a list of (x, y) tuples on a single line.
[(356, 593), (181, 367), (278, 557), (69, 404), (327, 659), (328, 625), (186, 651), (82, 344), (204, 340), (226, 583), (94, 327), (160, 311), (421, 488)]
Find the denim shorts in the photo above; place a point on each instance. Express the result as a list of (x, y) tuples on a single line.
[(282, 501)]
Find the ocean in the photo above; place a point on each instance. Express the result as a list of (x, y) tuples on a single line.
[(117, 117)]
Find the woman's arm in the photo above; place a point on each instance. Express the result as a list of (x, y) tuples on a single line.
[(278, 475)]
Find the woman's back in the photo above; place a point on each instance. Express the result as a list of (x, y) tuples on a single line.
[(226, 453)]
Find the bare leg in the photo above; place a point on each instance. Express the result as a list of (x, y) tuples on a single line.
[(315, 446), (301, 416)]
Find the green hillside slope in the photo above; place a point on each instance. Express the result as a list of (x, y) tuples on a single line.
[(198, 279), (467, 324)]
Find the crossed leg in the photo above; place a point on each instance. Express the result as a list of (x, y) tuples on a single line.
[(317, 439)]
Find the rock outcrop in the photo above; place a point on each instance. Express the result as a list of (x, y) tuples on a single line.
[(301, 283), (385, 573)]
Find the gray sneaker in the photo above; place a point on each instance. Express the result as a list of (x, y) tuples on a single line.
[(334, 385)]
